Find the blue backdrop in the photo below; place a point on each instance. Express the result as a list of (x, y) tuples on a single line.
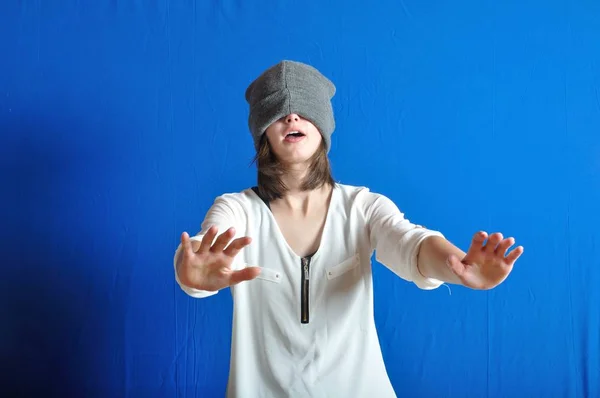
[(121, 121)]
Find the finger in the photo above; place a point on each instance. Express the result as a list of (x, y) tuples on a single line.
[(236, 245), (185, 242), (493, 241), (514, 255), (242, 275), (222, 240), (455, 265), (478, 239), (207, 239), (504, 245)]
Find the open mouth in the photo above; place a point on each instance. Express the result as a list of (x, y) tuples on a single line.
[(295, 134)]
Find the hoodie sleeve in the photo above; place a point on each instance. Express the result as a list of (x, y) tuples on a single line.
[(396, 240), (223, 213)]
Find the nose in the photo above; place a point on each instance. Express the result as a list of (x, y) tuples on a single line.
[(292, 117)]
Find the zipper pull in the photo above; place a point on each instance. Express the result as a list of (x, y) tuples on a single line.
[(305, 266)]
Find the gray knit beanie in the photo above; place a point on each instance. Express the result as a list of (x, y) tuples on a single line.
[(290, 87)]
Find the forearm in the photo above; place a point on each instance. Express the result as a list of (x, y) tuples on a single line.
[(433, 253)]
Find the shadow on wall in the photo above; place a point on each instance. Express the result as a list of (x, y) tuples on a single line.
[(56, 315)]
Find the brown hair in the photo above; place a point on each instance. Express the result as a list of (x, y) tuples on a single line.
[(270, 169)]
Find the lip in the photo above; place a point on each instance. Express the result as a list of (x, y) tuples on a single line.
[(291, 138), (292, 129)]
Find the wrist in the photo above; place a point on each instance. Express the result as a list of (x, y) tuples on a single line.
[(432, 260)]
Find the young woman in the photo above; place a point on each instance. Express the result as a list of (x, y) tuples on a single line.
[(296, 250)]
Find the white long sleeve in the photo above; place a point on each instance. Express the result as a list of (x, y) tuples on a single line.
[(396, 240)]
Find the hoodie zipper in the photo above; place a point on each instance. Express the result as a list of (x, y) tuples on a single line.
[(304, 286)]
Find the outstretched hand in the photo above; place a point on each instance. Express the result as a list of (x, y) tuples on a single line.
[(208, 267), (487, 263)]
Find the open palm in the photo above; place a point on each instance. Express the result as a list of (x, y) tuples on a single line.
[(487, 263), (208, 266)]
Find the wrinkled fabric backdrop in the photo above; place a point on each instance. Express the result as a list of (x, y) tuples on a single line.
[(121, 121)]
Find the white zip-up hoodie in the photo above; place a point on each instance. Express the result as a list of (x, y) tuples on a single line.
[(305, 327)]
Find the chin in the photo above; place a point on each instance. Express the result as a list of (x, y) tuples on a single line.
[(295, 157)]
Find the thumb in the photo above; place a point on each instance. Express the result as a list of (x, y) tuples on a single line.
[(244, 274), (454, 263)]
